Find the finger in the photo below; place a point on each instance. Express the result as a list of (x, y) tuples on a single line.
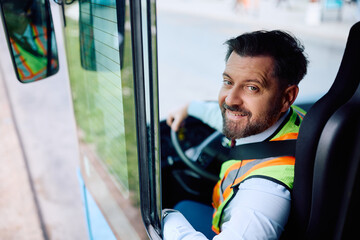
[(175, 125), (170, 120)]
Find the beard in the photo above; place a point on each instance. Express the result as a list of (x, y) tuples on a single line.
[(236, 130)]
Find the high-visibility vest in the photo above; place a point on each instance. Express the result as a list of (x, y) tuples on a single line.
[(278, 169), (31, 67)]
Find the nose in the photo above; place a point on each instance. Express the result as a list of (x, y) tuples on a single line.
[(233, 98)]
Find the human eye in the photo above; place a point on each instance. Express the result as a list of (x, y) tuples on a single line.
[(227, 82), (252, 88)]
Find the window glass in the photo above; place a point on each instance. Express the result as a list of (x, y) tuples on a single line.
[(100, 87), (31, 38), (98, 44)]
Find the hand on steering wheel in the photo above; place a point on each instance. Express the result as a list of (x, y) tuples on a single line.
[(176, 118), (194, 163)]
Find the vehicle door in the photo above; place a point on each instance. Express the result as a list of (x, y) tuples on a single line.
[(111, 52)]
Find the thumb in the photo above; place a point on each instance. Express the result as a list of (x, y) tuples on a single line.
[(176, 124)]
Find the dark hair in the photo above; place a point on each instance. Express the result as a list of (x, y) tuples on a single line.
[(287, 51)]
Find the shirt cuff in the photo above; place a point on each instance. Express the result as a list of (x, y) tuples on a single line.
[(177, 227)]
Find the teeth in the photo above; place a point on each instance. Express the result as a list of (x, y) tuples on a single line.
[(239, 114)]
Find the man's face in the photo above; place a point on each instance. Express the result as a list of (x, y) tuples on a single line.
[(250, 98)]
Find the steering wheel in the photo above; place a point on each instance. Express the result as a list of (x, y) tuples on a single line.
[(197, 162)]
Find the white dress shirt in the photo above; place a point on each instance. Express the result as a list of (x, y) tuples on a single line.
[(260, 208)]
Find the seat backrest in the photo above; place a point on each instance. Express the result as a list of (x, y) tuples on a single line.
[(335, 193), (343, 88)]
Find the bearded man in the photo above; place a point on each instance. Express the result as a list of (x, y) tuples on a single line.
[(252, 198)]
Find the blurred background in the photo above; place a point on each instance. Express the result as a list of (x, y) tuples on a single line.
[(191, 34)]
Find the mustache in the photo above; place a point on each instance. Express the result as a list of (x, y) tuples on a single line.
[(235, 108)]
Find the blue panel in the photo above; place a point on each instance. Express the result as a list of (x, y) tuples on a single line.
[(97, 226)]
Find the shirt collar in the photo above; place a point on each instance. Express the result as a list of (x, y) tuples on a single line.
[(263, 135)]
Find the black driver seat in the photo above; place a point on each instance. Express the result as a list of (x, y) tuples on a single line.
[(318, 132), (334, 211)]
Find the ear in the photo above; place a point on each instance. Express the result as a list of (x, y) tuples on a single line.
[(289, 95)]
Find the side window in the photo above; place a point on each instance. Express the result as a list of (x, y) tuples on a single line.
[(31, 38), (103, 86), (100, 59)]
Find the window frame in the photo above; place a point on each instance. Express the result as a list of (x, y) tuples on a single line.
[(147, 114)]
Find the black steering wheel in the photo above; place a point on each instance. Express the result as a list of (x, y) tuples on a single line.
[(202, 155)]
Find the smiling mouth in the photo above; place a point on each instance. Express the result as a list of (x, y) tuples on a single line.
[(235, 115), (238, 114)]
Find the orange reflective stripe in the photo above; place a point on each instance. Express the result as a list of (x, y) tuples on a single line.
[(22, 59), (227, 192), (214, 211), (36, 75), (214, 229), (235, 166), (275, 162), (13, 44), (216, 195), (287, 136), (37, 38)]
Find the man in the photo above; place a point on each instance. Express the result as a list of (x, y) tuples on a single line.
[(260, 84)]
